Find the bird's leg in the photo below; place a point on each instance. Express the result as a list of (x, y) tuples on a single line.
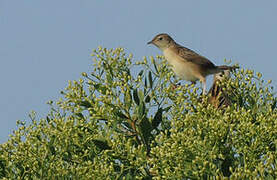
[(203, 81)]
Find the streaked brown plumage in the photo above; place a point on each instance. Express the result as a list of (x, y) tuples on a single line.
[(218, 98)]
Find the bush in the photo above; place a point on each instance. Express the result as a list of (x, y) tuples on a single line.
[(126, 120)]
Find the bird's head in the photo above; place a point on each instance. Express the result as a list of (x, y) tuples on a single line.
[(222, 75), (162, 41)]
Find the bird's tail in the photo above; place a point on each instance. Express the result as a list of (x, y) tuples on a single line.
[(224, 67)]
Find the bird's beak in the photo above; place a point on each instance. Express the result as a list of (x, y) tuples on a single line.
[(150, 42)]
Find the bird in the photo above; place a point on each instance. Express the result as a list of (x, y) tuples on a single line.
[(218, 97), (186, 63)]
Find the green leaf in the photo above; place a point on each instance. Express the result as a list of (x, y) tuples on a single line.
[(38, 137), (80, 115), (109, 78), (128, 99), (51, 146), (147, 99), (135, 96), (126, 124), (127, 70), (141, 109), (67, 156), (85, 104), (155, 66), (166, 109), (101, 144), (100, 87), (274, 105), (140, 73), (141, 95), (48, 119), (157, 118), (146, 129), (251, 100), (141, 103), (145, 82), (120, 114), (150, 79), (111, 71)]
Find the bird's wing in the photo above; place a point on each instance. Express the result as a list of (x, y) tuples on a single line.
[(190, 55), (218, 98)]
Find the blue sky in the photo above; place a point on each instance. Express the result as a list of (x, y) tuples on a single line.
[(43, 44)]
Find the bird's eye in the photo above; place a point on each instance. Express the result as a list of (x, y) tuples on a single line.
[(161, 38)]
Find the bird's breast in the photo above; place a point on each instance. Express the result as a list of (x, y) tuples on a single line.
[(182, 68)]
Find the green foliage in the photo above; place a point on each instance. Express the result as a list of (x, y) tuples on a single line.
[(127, 120)]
